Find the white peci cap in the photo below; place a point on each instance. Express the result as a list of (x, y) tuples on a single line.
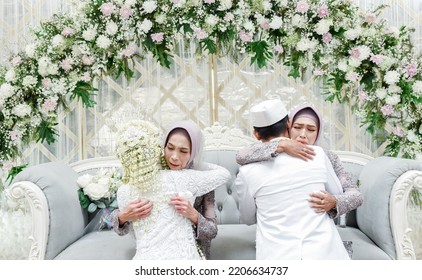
[(267, 113)]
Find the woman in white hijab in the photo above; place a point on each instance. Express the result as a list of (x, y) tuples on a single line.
[(183, 147)]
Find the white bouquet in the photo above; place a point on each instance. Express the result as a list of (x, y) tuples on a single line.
[(99, 190)]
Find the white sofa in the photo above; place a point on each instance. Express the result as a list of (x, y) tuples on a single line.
[(378, 229)]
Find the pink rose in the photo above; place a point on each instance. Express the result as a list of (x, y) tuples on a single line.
[(327, 37), (363, 96), (201, 34), (387, 110), (245, 36), (377, 59), (323, 11), (107, 8), (157, 37), (126, 12), (302, 7), (411, 70)]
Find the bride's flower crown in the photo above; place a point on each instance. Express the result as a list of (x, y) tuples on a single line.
[(139, 149)]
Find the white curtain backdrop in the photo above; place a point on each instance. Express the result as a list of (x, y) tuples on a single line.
[(214, 89)]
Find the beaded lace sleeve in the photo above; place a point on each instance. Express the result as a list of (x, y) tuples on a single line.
[(351, 198), (200, 182), (256, 152)]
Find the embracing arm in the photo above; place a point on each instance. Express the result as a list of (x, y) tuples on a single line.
[(264, 151), (200, 182), (351, 198), (206, 228)]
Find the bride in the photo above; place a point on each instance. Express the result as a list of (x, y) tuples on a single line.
[(164, 234)]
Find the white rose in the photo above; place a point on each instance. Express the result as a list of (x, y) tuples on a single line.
[(267, 5), (130, 2), (248, 26), (417, 87), (342, 65), (29, 81), (95, 191), (103, 42), (354, 62), (161, 18), (111, 28), (104, 181), (21, 110), (306, 44), (58, 41), (42, 66), (394, 89), (412, 137), (393, 100), (84, 180), (392, 77), (146, 25), (225, 5), (53, 69), (276, 22), (89, 34), (149, 6), (322, 27), (30, 50), (298, 21), (6, 90), (352, 34), (211, 20), (381, 93), (10, 75)]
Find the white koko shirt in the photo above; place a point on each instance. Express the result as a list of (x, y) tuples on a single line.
[(274, 194)]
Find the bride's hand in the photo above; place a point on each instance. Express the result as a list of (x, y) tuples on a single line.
[(184, 208), (136, 209)]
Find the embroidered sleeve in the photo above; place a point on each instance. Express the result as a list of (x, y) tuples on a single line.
[(351, 198), (114, 219), (207, 219), (200, 182), (256, 152)]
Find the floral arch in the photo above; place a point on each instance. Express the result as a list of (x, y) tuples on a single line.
[(358, 58)]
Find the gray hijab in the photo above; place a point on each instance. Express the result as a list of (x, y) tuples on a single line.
[(196, 140)]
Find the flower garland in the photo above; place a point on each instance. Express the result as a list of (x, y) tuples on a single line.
[(360, 60)]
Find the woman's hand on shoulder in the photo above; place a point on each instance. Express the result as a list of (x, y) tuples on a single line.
[(137, 209), (184, 208)]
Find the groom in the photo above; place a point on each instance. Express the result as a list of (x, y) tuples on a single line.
[(274, 195)]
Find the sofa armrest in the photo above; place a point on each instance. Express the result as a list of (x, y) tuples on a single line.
[(398, 212), (56, 182), (35, 199), (385, 183)]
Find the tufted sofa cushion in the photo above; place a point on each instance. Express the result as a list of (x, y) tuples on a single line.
[(226, 200)]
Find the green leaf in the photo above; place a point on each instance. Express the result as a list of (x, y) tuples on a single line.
[(209, 45), (159, 51), (114, 203), (260, 52), (46, 132), (83, 199), (15, 170), (100, 204), (83, 91), (92, 207)]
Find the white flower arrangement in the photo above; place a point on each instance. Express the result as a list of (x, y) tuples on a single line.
[(360, 54), (99, 190)]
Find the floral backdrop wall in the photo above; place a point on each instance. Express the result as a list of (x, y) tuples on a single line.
[(216, 88)]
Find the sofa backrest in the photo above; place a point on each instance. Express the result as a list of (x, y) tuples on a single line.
[(58, 182)]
